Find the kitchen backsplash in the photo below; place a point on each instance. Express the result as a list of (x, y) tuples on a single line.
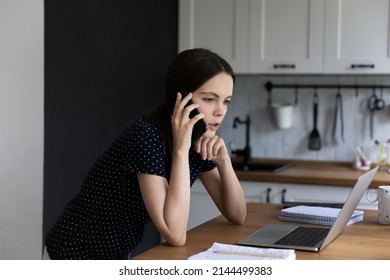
[(269, 141)]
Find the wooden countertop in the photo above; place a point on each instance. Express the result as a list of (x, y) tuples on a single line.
[(312, 172), (364, 240)]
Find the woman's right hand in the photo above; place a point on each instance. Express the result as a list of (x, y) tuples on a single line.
[(168, 201), (182, 124)]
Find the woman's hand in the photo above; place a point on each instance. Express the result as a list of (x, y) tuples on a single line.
[(182, 124), (168, 201), (222, 183), (212, 148)]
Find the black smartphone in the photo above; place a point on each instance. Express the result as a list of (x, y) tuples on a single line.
[(200, 126)]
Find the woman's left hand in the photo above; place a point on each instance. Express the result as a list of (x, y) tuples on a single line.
[(222, 183), (212, 148)]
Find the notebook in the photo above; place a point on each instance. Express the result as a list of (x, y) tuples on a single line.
[(317, 215), (310, 238)]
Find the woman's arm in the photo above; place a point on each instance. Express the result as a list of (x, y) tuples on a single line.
[(222, 183), (168, 203)]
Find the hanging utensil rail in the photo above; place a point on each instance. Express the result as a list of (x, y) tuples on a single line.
[(269, 86)]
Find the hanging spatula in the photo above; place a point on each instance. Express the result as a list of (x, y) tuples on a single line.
[(314, 137)]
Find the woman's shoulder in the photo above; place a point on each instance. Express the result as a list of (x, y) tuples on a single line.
[(143, 122), (144, 125)]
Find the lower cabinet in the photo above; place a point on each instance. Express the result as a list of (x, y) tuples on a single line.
[(279, 192), (204, 209)]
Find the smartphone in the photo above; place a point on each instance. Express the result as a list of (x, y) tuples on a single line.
[(200, 126)]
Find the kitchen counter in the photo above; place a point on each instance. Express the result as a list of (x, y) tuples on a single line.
[(311, 172)]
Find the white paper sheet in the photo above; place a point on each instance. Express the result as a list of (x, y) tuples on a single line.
[(221, 251)]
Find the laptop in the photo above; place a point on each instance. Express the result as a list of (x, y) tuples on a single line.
[(308, 238)]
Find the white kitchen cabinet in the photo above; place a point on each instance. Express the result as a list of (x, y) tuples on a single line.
[(203, 208), (291, 37), (219, 25), (357, 38), (256, 36), (302, 193), (286, 36)]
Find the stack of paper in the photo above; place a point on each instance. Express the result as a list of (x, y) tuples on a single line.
[(235, 252), (325, 216)]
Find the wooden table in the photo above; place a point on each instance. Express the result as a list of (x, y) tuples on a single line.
[(360, 241)]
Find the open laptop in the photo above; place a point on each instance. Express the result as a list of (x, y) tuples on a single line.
[(308, 238)]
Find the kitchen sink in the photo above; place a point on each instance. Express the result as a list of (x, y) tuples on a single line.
[(263, 167)]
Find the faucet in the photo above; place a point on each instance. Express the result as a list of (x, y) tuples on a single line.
[(246, 151)]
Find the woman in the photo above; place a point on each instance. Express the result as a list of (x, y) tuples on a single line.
[(147, 172)]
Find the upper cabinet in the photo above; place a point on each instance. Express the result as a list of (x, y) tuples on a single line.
[(219, 25), (297, 37), (286, 36), (357, 37)]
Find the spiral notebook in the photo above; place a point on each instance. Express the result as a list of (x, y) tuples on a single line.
[(325, 216), (310, 238)]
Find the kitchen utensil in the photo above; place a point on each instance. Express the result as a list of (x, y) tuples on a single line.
[(314, 137), (339, 108), (362, 154), (362, 161), (375, 103), (282, 113)]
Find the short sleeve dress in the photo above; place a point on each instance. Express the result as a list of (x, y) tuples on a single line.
[(106, 219)]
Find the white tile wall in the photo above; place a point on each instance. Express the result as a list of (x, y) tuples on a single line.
[(268, 141)]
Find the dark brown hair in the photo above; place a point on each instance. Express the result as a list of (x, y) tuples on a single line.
[(189, 70)]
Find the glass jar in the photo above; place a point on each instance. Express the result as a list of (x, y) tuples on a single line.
[(382, 152)]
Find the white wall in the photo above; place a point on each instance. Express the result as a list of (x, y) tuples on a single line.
[(21, 128), (268, 141)]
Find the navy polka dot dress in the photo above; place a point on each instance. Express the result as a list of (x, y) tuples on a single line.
[(107, 218)]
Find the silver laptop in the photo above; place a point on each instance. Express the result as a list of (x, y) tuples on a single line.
[(308, 238)]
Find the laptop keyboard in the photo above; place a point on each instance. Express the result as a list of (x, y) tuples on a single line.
[(304, 236)]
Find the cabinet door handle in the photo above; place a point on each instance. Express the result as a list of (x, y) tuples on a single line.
[(268, 199), (283, 195), (284, 66), (354, 66)]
